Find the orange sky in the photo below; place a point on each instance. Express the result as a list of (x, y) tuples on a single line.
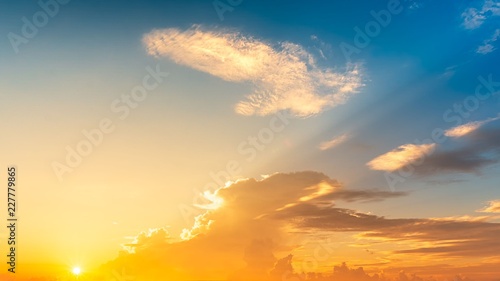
[(251, 140)]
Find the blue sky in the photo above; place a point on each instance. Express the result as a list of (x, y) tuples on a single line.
[(345, 112)]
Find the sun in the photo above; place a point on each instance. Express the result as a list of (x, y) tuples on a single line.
[(76, 270)]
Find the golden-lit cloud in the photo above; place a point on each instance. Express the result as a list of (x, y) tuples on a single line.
[(400, 157), (465, 129), (148, 239), (214, 245), (284, 75), (334, 142), (250, 235), (463, 218), (493, 207), (468, 155)]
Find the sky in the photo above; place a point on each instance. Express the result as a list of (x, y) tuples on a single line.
[(251, 140)]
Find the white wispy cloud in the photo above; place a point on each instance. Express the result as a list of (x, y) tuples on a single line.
[(334, 142), (414, 4), (462, 130), (284, 75), (474, 18), (487, 46), (485, 49), (401, 156)]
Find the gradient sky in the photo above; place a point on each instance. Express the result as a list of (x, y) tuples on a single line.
[(338, 123)]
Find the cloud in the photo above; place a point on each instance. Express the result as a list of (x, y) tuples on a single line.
[(493, 207), (481, 148), (259, 258), (487, 46), (449, 71), (400, 157), (360, 195), (448, 237), (485, 49), (462, 130), (334, 142), (474, 18), (477, 145), (241, 227), (284, 270), (414, 4), (261, 220), (284, 76)]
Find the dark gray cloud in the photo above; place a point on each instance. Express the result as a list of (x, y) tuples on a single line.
[(470, 154), (361, 195), (450, 237)]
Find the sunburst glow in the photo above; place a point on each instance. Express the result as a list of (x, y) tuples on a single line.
[(76, 270)]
